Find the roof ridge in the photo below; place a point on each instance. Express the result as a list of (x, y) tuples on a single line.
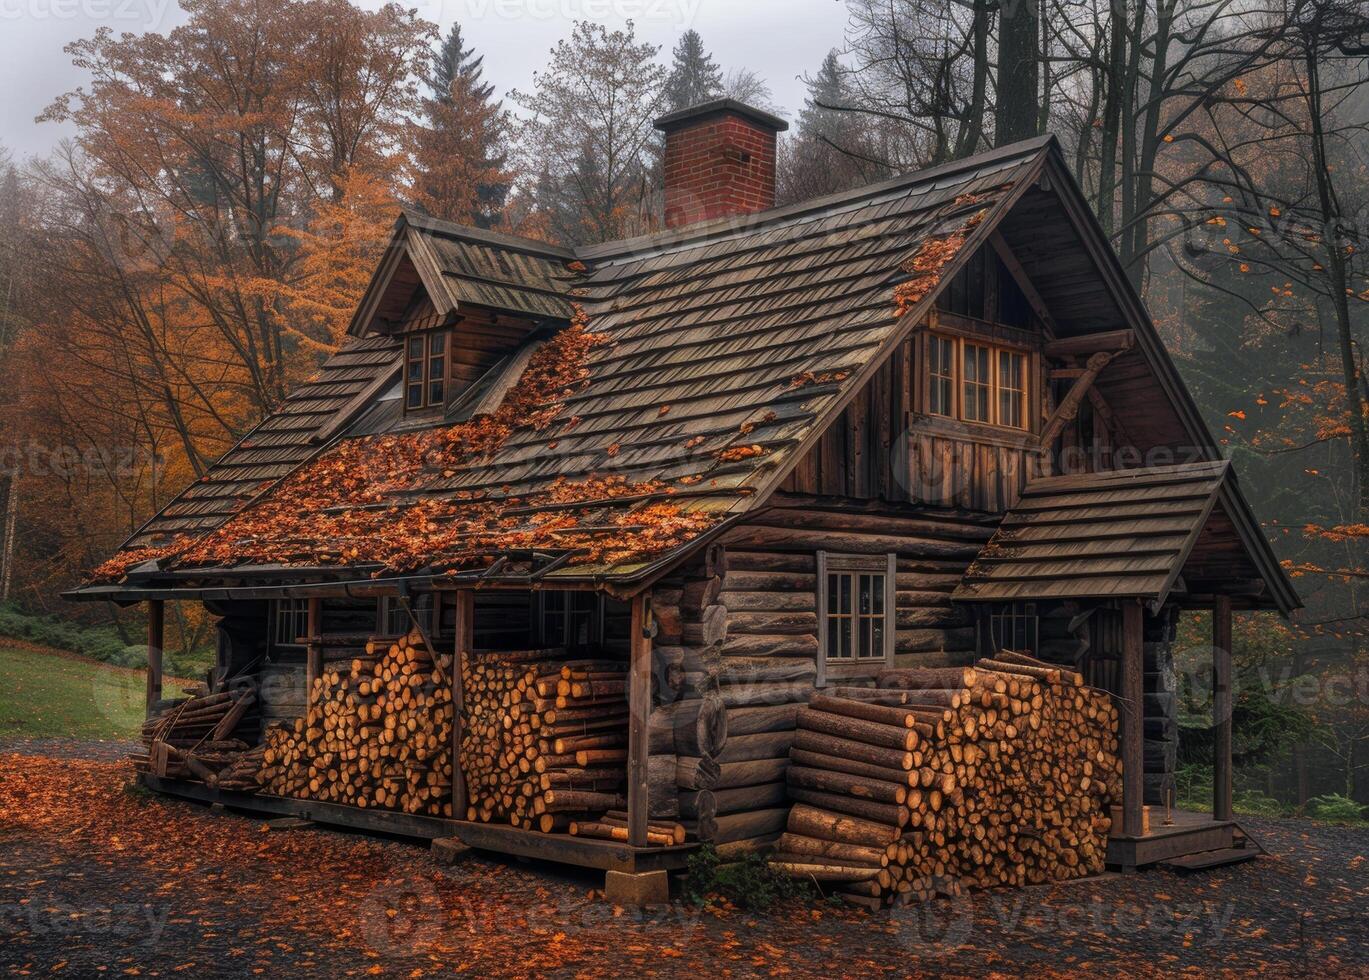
[(453, 229), (751, 223)]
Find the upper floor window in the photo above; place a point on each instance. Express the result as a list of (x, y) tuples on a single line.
[(425, 371), (976, 382), (855, 613)]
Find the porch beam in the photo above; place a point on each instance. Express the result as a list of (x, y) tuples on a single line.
[(313, 653), (465, 642), (156, 628), (639, 711), (1221, 708), (1133, 727)]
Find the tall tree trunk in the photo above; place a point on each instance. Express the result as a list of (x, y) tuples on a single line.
[(1333, 240), (1112, 79), (1019, 81), (7, 540), (972, 132)]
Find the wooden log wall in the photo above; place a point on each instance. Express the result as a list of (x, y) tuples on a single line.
[(771, 590)]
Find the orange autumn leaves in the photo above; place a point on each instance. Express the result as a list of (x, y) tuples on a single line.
[(388, 500), (932, 256)]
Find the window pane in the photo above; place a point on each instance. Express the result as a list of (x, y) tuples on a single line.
[(436, 393), (877, 594), (1011, 388), (976, 383), (437, 343), (833, 638), (415, 398), (942, 376), (415, 370), (415, 347)]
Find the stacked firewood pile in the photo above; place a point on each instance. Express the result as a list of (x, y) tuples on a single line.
[(544, 740), (377, 734), (999, 774), (199, 736)]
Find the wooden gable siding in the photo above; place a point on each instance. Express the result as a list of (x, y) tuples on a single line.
[(883, 448)]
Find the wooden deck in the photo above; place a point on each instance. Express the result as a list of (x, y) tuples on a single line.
[(1191, 833), (582, 852)]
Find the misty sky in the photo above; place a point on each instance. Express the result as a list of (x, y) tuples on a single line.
[(780, 39)]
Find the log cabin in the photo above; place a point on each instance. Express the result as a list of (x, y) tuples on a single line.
[(763, 452)]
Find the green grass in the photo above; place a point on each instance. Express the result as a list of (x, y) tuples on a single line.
[(52, 694)]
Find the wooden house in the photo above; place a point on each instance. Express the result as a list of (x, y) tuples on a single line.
[(763, 451)]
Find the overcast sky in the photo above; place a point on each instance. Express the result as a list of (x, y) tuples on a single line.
[(779, 39)]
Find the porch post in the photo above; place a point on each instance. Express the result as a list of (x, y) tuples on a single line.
[(465, 642), (313, 653), (156, 622), (1221, 708), (639, 710), (1133, 712)]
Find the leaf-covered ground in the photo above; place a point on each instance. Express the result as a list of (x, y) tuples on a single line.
[(97, 879)]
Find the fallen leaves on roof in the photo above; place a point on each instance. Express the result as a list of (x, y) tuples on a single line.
[(371, 500), (933, 255)]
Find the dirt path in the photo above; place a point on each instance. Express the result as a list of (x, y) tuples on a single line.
[(97, 879)]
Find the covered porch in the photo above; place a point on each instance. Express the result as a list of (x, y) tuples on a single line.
[(1125, 548)]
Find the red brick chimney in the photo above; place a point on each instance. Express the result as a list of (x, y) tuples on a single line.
[(719, 161)]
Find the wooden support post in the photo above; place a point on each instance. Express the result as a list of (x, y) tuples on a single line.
[(639, 710), (465, 642), (156, 624), (313, 653), (1133, 711), (1221, 708)]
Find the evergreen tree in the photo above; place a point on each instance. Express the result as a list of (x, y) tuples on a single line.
[(462, 148), (833, 149), (694, 77)]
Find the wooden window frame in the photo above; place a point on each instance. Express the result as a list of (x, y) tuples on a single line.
[(427, 403), (298, 611), (541, 614), (1008, 615), (390, 614), (996, 349), (829, 564)]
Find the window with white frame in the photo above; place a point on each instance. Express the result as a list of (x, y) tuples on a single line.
[(855, 613), (289, 622), (977, 381), (1014, 626)]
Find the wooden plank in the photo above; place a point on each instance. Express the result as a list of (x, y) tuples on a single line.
[(1221, 707), (465, 642), (639, 708), (156, 621), (313, 655), (1133, 759)]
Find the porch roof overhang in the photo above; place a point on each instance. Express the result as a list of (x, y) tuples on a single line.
[(1151, 534)]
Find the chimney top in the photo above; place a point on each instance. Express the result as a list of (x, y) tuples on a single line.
[(694, 113), (719, 161)]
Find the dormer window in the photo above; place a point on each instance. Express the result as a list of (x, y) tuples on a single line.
[(425, 372)]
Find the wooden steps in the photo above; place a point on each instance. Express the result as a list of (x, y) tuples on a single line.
[(1207, 860)]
